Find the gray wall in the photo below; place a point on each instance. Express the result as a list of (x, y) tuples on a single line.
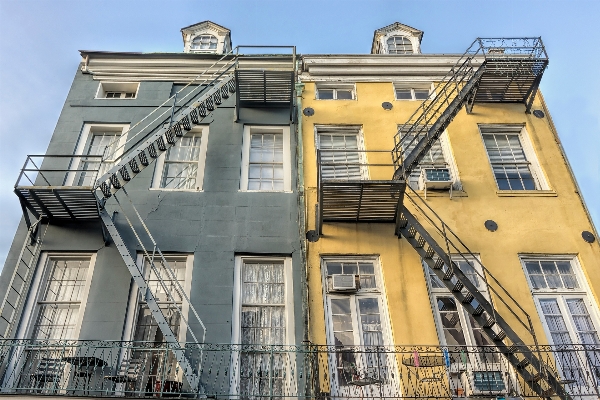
[(214, 225)]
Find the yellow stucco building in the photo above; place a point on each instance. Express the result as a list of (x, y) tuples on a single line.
[(514, 224)]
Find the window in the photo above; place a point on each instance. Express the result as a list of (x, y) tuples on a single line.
[(117, 90), (204, 42), (266, 159), (339, 92), (357, 323), (511, 158), (403, 93), (568, 314), (438, 156), (61, 297), (182, 166), (103, 143), (263, 315), (399, 45), (340, 152)]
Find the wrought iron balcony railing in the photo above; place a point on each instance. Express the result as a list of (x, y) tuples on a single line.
[(145, 369)]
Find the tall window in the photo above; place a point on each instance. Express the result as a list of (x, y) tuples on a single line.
[(60, 300), (266, 159), (568, 314), (357, 327), (182, 167), (399, 45), (512, 167), (340, 153), (204, 42), (263, 318), (435, 157)]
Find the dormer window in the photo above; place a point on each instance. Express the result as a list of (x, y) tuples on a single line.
[(204, 42), (399, 45)]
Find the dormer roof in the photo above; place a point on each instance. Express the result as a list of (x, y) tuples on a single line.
[(391, 29), (222, 34)]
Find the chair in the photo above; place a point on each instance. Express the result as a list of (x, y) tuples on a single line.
[(128, 373), (48, 370)]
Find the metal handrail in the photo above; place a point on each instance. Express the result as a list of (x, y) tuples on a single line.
[(41, 169)]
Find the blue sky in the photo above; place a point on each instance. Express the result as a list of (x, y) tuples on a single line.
[(39, 43)]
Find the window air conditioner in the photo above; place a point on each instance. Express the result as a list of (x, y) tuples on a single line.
[(484, 383), (343, 283), (435, 178)]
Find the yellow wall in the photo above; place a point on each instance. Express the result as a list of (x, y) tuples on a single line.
[(539, 222)]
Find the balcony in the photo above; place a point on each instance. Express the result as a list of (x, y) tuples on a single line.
[(60, 187), (355, 186), (147, 369)]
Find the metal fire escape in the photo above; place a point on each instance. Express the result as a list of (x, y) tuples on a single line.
[(506, 70), (76, 198)]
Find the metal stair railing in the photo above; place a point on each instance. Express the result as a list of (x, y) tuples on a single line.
[(149, 147), (20, 280), (506, 57), (441, 261)]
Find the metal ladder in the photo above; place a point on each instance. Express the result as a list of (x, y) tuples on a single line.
[(147, 149), (489, 71), (21, 278)]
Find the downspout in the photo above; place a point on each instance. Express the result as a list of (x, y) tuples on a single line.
[(301, 206)]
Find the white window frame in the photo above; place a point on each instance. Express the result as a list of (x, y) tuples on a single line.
[(135, 297), (287, 168), (236, 320), (412, 87), (536, 170), (208, 50), (160, 163), (380, 293), (30, 311), (335, 87), (405, 35), (561, 295), (119, 87), (362, 155), (84, 140), (449, 159)]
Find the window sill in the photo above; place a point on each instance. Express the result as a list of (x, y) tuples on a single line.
[(176, 190), (265, 191), (442, 193), (526, 193), (336, 99), (114, 98)]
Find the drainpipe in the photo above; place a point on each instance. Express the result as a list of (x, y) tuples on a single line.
[(301, 207)]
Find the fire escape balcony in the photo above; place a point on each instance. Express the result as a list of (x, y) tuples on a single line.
[(59, 187), (354, 186)]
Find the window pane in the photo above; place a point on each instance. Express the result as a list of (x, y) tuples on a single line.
[(403, 94), (181, 164), (344, 94), (453, 331), (421, 94), (265, 170), (325, 94)]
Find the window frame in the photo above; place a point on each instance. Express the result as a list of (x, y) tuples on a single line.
[(135, 297), (335, 87), (30, 312), (84, 140), (531, 157), (118, 87), (412, 87), (160, 163), (207, 50), (395, 35), (360, 142), (287, 160)]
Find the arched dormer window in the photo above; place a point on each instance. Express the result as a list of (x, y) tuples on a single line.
[(399, 45), (204, 42)]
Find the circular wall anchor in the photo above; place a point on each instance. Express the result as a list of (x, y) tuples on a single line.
[(491, 225), (588, 236), (387, 105), (539, 113), (309, 112), (312, 236)]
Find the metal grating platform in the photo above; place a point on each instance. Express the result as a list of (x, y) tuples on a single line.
[(63, 202), (509, 81), (264, 88), (360, 201)]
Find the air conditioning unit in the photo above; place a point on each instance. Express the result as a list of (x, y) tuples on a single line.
[(484, 383), (343, 283), (435, 178)]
